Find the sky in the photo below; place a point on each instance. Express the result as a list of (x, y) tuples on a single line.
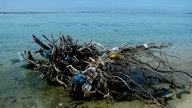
[(94, 5)]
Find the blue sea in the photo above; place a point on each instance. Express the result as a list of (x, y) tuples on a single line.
[(24, 88)]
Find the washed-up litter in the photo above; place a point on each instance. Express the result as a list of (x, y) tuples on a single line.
[(21, 56), (93, 70)]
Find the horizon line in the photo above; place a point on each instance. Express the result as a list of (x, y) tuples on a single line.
[(56, 12)]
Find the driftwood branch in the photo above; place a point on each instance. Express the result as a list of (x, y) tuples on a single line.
[(112, 73)]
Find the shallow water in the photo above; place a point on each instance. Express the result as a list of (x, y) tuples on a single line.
[(24, 88)]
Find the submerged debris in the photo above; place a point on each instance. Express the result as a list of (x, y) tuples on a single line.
[(92, 70)]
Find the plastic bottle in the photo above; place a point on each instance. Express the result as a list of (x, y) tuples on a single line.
[(21, 56)]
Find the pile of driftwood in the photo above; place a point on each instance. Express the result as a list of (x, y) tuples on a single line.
[(92, 70)]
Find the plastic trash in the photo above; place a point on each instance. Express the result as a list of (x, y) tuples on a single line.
[(87, 86), (42, 76), (92, 69), (115, 48), (67, 58), (21, 56), (167, 94), (145, 45), (79, 79), (115, 55), (46, 54), (88, 89)]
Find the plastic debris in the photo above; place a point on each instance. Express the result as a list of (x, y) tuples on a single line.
[(145, 45), (67, 58), (42, 76), (115, 49), (79, 79), (21, 56), (46, 54), (167, 94), (115, 73), (115, 55)]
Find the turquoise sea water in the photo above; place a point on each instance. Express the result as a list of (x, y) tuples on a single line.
[(19, 87)]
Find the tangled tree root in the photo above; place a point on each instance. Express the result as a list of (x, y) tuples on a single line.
[(92, 70)]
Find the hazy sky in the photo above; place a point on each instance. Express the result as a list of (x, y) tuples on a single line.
[(95, 5)]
